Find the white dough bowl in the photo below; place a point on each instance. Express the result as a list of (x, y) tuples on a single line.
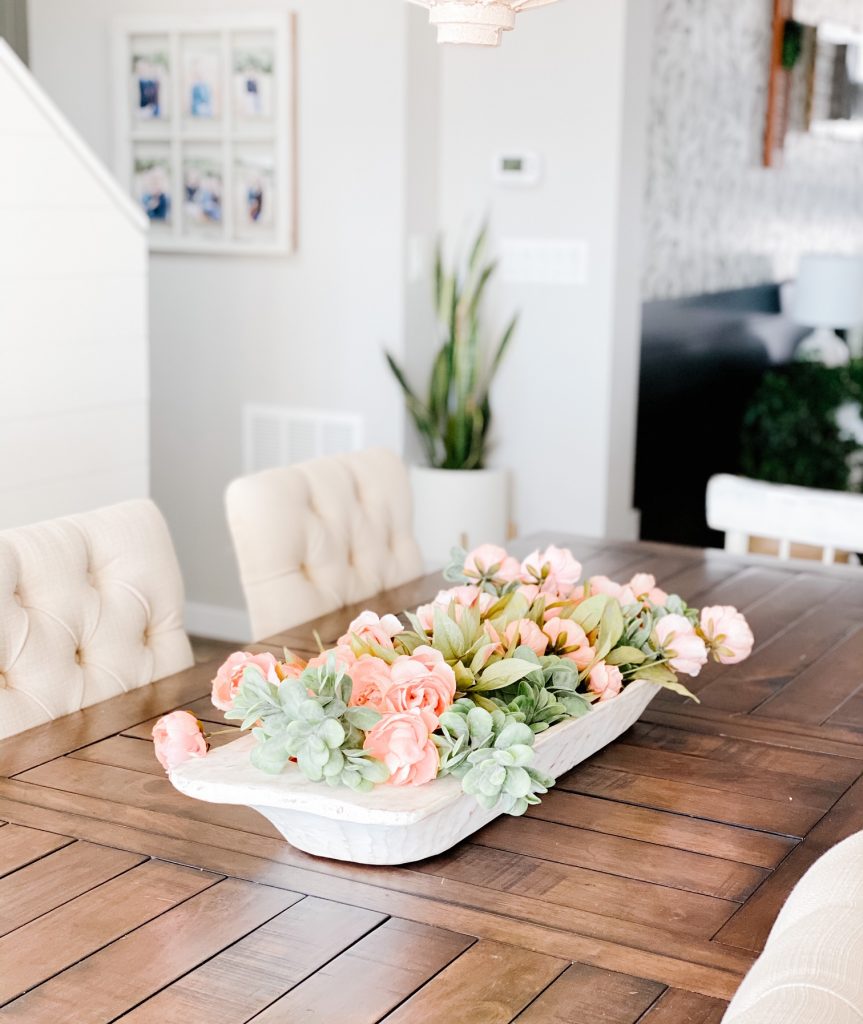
[(390, 825)]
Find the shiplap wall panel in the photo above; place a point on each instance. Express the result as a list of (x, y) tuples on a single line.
[(74, 421)]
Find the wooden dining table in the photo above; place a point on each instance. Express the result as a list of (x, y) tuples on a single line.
[(641, 889)]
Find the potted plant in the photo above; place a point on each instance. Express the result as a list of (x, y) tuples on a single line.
[(458, 499)]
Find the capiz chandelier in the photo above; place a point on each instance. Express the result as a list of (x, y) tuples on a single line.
[(476, 22)]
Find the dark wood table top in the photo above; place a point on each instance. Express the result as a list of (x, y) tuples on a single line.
[(641, 889)]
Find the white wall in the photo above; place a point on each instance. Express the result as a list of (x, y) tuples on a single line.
[(716, 218), (569, 85), (395, 140), (73, 318), (305, 330)]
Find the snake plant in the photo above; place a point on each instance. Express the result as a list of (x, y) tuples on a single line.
[(453, 423)]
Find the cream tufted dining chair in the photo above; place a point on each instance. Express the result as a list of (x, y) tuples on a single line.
[(90, 606), (312, 537)]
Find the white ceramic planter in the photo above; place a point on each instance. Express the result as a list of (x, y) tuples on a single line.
[(389, 825), (458, 506)]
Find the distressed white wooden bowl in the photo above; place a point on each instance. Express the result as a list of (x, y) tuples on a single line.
[(390, 825)]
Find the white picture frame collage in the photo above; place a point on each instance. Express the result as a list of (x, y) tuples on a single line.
[(205, 130)]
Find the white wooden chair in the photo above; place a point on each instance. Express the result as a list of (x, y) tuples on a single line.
[(90, 606), (313, 537), (743, 509)]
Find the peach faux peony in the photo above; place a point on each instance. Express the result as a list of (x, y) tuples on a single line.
[(727, 634), (606, 680), (422, 681), (643, 585), (343, 656), (526, 632), (491, 561), (464, 597), (371, 679), (570, 641), (555, 570), (230, 675), (177, 738), (369, 627), (401, 740), (680, 643)]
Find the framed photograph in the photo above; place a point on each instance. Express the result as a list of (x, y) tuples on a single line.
[(255, 195), (202, 78), (150, 86), (153, 182), (254, 63), (203, 191), (206, 137)]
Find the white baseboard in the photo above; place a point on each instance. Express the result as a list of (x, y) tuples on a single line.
[(214, 622)]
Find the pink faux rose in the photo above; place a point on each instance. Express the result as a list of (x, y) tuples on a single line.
[(421, 681), (489, 561), (371, 679), (177, 738), (603, 585), (570, 641), (605, 680), (643, 585), (370, 628), (230, 675), (727, 634), (401, 740), (680, 643), (530, 591), (554, 569), (526, 632), (464, 597), (343, 654)]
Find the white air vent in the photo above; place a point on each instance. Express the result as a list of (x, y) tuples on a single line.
[(275, 435)]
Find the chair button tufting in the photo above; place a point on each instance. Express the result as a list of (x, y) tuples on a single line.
[(78, 656)]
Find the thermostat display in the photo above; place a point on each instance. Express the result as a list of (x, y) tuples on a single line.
[(517, 168)]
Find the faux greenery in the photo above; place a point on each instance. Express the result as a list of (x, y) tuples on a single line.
[(309, 719), (790, 434), (453, 422)]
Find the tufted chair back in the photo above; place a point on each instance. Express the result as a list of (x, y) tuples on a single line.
[(90, 606), (313, 537)]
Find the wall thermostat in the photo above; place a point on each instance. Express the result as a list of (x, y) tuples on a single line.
[(514, 168)]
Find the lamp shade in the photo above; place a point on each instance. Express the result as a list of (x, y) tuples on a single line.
[(475, 22), (829, 291)]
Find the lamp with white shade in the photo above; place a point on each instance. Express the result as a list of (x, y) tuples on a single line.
[(475, 22), (829, 297)]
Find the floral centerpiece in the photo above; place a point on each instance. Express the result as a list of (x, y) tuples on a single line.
[(467, 682)]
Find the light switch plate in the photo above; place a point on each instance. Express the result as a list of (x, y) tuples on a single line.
[(544, 261)]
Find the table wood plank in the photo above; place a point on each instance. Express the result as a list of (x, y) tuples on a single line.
[(834, 772), (21, 846), (247, 977), (661, 828), (585, 995), (697, 771), (783, 817), (36, 951), (563, 885), (371, 978), (751, 925), (677, 869), (56, 879), (490, 984), (125, 973), (680, 1007), (150, 792)]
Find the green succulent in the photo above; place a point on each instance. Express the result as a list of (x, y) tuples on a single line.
[(501, 775), (308, 719)]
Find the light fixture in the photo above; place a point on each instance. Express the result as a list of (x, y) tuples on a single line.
[(475, 22), (828, 296)]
